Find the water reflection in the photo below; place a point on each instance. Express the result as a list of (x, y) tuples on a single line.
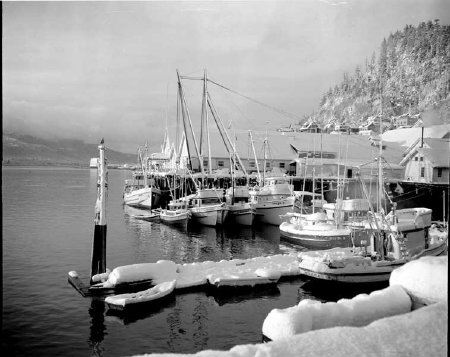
[(237, 295), (333, 291), (98, 328), (141, 311)]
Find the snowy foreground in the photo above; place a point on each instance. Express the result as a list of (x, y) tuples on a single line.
[(409, 318)]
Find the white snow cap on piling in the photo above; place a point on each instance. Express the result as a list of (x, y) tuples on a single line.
[(425, 280), (313, 315)]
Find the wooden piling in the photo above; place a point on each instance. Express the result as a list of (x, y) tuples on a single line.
[(98, 258)]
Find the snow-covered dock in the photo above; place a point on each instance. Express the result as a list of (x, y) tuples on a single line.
[(237, 272), (226, 273)]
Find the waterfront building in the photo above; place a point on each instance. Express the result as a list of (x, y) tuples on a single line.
[(427, 161)]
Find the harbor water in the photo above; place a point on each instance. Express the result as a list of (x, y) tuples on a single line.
[(48, 224)]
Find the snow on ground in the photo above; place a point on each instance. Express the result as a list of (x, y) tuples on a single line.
[(422, 332), (313, 315), (425, 279)]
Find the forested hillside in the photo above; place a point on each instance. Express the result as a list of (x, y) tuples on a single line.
[(411, 73)]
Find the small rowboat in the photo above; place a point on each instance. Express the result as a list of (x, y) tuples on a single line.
[(120, 302)]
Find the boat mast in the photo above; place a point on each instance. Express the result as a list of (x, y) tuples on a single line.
[(206, 119), (254, 155), (187, 117), (223, 133), (265, 158), (98, 257)]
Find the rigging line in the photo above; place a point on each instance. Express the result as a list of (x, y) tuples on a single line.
[(280, 111)]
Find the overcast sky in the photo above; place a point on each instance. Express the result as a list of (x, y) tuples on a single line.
[(88, 70)]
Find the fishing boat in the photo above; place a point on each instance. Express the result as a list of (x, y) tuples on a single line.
[(272, 200), (240, 210), (176, 212), (141, 198), (367, 264), (135, 195), (314, 231), (207, 207)]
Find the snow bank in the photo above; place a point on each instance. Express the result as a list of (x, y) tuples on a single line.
[(425, 280), (313, 315), (260, 270), (161, 271), (420, 333)]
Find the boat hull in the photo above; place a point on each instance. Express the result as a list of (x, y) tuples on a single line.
[(141, 198), (174, 217), (339, 238), (376, 272), (241, 215), (270, 213), (205, 216)]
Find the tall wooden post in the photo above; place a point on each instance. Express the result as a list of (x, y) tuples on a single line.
[(98, 259)]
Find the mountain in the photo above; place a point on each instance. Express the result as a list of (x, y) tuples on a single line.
[(21, 149), (410, 75)]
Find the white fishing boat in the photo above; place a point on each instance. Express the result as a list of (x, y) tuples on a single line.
[(136, 194), (366, 264), (273, 200), (207, 207), (141, 198), (176, 212), (314, 231), (240, 210)]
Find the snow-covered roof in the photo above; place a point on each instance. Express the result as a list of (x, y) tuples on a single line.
[(437, 157), (407, 136)]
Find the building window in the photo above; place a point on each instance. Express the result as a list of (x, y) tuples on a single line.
[(422, 172), (205, 162), (252, 164), (416, 159), (439, 172), (220, 163), (421, 158), (281, 165), (267, 164)]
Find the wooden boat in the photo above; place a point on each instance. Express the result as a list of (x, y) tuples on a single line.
[(120, 302), (402, 238), (207, 207), (272, 200), (176, 212), (141, 197), (240, 210)]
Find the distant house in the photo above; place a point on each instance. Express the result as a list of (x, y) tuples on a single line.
[(427, 162), (310, 127), (406, 120)]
